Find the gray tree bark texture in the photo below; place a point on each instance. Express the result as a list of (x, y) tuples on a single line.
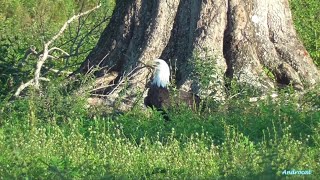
[(247, 38)]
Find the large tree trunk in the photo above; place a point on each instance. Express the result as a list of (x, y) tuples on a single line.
[(247, 39)]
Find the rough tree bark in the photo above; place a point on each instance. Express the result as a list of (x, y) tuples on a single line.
[(248, 40)]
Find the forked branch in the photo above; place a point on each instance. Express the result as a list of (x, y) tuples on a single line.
[(46, 54)]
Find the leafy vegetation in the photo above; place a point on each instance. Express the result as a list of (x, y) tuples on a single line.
[(25, 24), (306, 15), (55, 135)]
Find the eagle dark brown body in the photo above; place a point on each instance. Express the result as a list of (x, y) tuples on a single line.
[(159, 96)]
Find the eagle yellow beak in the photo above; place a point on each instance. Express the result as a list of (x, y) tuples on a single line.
[(152, 64)]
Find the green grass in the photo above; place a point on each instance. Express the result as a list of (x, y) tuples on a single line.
[(54, 137)]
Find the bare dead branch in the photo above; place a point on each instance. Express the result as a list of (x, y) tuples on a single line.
[(92, 67), (44, 79), (57, 71), (101, 87), (25, 85), (100, 95), (46, 54), (58, 49), (52, 57), (124, 78)]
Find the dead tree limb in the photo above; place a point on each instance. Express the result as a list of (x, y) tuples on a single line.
[(25, 85), (46, 54)]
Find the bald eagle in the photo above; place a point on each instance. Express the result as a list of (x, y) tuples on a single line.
[(159, 96)]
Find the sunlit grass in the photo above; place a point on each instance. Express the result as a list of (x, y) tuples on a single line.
[(237, 140)]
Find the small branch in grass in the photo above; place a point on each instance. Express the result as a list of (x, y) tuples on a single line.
[(25, 85), (57, 71), (122, 80), (126, 77)]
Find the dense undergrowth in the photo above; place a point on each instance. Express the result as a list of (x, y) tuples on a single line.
[(306, 16), (25, 24), (55, 135)]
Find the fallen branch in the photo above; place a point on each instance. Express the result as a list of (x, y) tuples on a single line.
[(25, 85), (46, 54)]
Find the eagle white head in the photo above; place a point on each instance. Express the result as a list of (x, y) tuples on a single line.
[(161, 73)]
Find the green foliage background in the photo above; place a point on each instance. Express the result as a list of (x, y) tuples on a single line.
[(306, 15), (31, 23), (54, 135)]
